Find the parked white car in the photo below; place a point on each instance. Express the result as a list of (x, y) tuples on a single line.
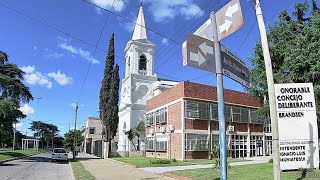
[(59, 154)]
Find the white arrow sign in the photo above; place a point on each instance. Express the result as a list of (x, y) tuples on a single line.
[(232, 9), (225, 26), (198, 57), (206, 49), (228, 19)]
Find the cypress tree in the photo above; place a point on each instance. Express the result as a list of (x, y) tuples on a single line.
[(108, 104)]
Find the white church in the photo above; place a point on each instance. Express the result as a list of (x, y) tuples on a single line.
[(139, 84)]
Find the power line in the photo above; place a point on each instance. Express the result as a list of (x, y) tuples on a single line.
[(55, 28), (125, 18), (95, 49), (246, 36), (48, 25)]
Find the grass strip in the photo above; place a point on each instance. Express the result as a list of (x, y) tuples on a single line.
[(10, 154), (245, 172), (80, 172)]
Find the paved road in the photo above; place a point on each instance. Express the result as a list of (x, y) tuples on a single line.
[(38, 167)]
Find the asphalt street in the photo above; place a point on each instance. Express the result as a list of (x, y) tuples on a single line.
[(38, 167)]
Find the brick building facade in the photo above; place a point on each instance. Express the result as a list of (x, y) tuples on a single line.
[(182, 123)]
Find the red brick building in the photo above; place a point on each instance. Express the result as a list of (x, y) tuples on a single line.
[(182, 123)]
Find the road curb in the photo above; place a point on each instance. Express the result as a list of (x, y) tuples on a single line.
[(72, 173)]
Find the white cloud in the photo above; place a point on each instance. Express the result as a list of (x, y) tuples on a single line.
[(166, 10), (78, 51), (164, 41), (27, 69), (26, 109), (60, 78), (38, 79), (118, 5), (19, 125), (48, 53), (73, 105)]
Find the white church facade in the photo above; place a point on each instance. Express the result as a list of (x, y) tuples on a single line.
[(139, 84)]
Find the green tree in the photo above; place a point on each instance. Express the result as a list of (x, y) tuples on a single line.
[(294, 43), (68, 138), (109, 96), (45, 132), (12, 93), (136, 132)]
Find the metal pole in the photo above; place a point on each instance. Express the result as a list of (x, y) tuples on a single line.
[(271, 92), (74, 130), (14, 136), (222, 121)]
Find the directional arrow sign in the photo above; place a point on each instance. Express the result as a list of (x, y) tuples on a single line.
[(198, 52), (229, 19)]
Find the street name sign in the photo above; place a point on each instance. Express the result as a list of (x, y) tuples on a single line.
[(229, 19), (198, 52), (234, 67), (297, 123)]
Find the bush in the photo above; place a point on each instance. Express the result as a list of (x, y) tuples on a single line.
[(270, 161), (160, 161)]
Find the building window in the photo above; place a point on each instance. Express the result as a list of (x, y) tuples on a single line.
[(204, 111), (129, 64), (161, 145), (160, 116), (143, 63), (197, 110), (214, 111), (149, 144), (227, 113), (92, 130), (196, 142)]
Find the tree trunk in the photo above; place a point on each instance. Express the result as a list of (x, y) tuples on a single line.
[(138, 146)]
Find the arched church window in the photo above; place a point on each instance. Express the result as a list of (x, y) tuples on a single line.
[(129, 63), (143, 63)]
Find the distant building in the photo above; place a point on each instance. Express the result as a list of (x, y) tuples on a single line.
[(182, 123), (92, 133), (139, 84)]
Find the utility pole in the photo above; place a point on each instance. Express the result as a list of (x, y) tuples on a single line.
[(271, 92), (222, 121), (74, 130), (14, 136)]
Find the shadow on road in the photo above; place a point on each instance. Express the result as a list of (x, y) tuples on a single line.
[(5, 164)]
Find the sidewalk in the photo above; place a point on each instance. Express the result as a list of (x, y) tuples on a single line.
[(105, 169), (160, 170)]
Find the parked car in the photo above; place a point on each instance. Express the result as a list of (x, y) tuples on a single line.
[(59, 154)]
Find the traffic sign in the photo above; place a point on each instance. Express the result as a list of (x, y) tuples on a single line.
[(198, 52), (234, 67), (229, 19)]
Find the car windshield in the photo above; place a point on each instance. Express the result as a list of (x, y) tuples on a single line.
[(59, 151)]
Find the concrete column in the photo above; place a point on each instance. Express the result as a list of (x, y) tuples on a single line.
[(248, 141)]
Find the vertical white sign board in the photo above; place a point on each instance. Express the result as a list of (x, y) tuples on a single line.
[(298, 129)]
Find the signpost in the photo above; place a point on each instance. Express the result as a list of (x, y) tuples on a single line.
[(297, 122), (198, 52)]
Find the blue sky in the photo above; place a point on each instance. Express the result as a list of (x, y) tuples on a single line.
[(56, 63)]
